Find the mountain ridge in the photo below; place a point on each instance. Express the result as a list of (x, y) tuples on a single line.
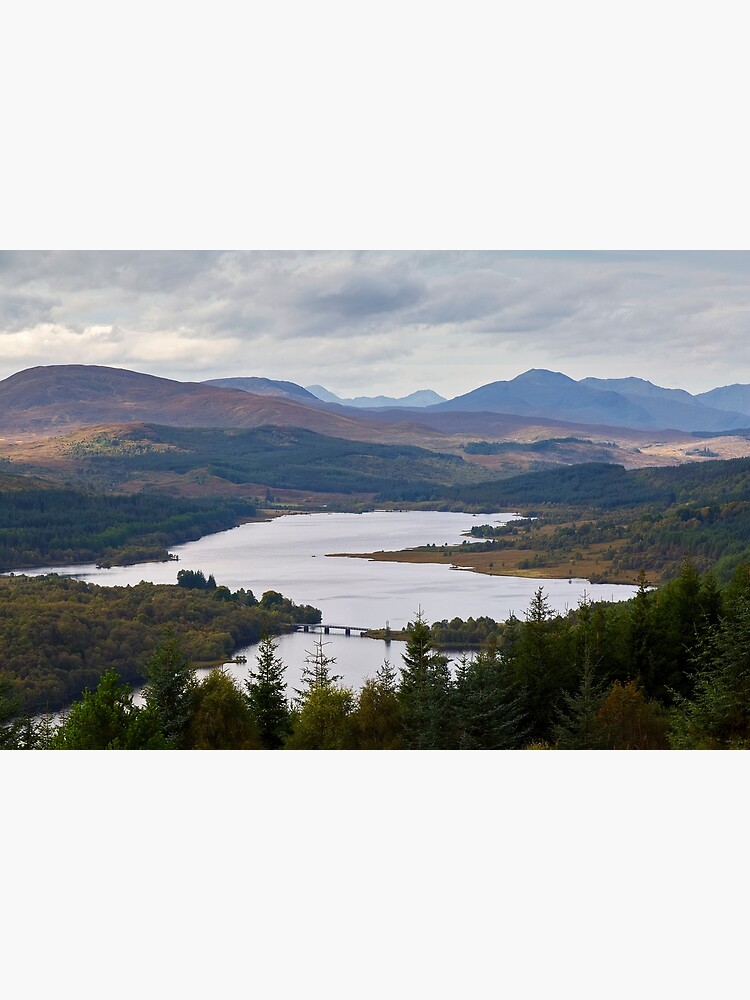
[(48, 397), (634, 402), (415, 400), (260, 386), (62, 397)]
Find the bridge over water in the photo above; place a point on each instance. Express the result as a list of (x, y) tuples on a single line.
[(323, 629)]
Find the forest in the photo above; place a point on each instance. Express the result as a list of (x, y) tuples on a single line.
[(669, 669), (650, 519), (277, 457), (58, 635), (42, 524)]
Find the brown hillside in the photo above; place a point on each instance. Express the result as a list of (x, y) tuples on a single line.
[(57, 398), (54, 400)]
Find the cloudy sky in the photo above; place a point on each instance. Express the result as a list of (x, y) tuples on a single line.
[(378, 322)]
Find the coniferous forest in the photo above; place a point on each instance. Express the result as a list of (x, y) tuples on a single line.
[(669, 669)]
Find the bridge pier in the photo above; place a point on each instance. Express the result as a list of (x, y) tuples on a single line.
[(347, 631), (326, 630)]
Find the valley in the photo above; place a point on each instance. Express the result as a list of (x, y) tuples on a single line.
[(110, 432), (114, 475)]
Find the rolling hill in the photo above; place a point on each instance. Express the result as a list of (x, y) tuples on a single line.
[(58, 398), (264, 387)]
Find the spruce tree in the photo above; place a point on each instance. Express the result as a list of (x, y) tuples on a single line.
[(170, 684), (379, 712), (489, 709), (426, 692), (316, 673), (544, 664), (106, 719), (266, 695), (717, 715), (578, 726)]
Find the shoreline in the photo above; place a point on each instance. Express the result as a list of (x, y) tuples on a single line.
[(500, 563)]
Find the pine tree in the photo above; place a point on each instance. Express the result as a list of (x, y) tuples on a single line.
[(489, 708), (379, 712), (171, 682), (426, 692), (316, 673), (266, 695), (578, 727)]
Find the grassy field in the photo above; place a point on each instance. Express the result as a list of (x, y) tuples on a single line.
[(594, 564)]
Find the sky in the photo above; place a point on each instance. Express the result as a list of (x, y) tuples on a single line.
[(372, 322)]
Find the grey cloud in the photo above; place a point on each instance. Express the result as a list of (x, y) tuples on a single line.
[(365, 315), (365, 297), (17, 311)]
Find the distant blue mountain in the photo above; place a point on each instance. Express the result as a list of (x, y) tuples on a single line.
[(734, 397), (617, 402), (676, 407), (422, 397)]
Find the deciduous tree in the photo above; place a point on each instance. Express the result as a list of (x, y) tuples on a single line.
[(106, 719), (220, 718), (326, 720)]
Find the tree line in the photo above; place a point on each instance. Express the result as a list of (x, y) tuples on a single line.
[(41, 524), (669, 669), (59, 635), (277, 457)]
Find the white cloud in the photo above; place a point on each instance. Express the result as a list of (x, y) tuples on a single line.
[(378, 321)]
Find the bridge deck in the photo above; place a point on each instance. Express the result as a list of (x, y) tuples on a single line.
[(325, 627)]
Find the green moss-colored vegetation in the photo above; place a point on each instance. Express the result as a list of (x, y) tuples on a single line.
[(610, 487), (508, 447), (41, 524), (652, 518), (58, 635), (668, 669), (278, 457)]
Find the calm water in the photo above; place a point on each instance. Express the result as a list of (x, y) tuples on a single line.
[(291, 554)]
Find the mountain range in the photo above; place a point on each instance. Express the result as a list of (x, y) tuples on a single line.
[(420, 398), (54, 397), (624, 402), (631, 402)]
